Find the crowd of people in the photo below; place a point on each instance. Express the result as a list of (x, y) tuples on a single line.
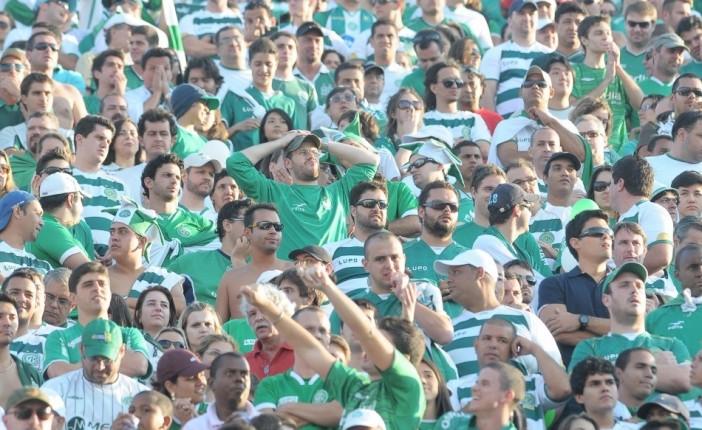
[(350, 214)]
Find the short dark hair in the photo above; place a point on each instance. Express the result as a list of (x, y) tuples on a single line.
[(588, 23), (685, 225), (426, 37), (23, 273), (465, 143), (517, 263), (631, 227), (687, 178), (379, 23), (51, 203), (101, 58), (484, 171), (262, 45), (55, 34), (435, 185), (338, 90), (405, 336), (32, 78), (156, 53), (82, 270), (89, 123), (348, 65), (4, 298), (569, 7), (690, 247), (152, 167), (625, 356), (172, 318), (586, 368), (385, 235), (148, 32), (157, 115), (231, 210), (574, 228), (251, 212), (359, 189), (677, 80), (688, 23), (54, 154), (214, 367), (219, 32), (292, 275), (687, 121), (636, 173)]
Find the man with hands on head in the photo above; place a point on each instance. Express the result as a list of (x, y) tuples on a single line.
[(395, 391)]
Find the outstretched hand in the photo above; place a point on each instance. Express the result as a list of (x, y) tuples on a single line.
[(315, 276)]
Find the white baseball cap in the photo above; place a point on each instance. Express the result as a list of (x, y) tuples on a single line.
[(365, 418), (59, 183), (199, 159), (472, 257), (268, 276)]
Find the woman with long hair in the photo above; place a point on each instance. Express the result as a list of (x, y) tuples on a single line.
[(124, 150), (197, 321), (435, 392), (405, 111), (7, 183)]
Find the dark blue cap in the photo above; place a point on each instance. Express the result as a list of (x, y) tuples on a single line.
[(186, 95), (9, 202)]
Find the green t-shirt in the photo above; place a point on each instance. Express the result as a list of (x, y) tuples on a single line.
[(633, 64), (190, 229), (305, 97), (311, 214), (236, 108), (187, 142), (611, 345), (401, 201), (23, 167), (462, 421), (64, 345), (323, 84), (692, 67), (420, 259), (676, 320), (10, 115), (92, 104), (397, 396), (466, 234), (466, 207), (652, 85), (289, 387), (241, 332), (133, 79), (205, 282), (415, 80), (55, 243), (586, 80)]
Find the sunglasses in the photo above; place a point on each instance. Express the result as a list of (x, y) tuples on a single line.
[(43, 46), (25, 413), (167, 344), (407, 104), (372, 203), (52, 170), (600, 186), (643, 25), (4, 68), (338, 98), (266, 225), (686, 91), (382, 2), (419, 163), (441, 206), (425, 37), (453, 83), (597, 232), (529, 279), (530, 84)]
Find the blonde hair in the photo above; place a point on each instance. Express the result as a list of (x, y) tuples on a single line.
[(199, 307), (272, 293)]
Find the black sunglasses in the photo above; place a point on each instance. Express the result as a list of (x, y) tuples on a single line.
[(530, 84), (686, 91), (425, 37), (419, 163), (453, 83), (51, 170), (596, 232), (406, 104), (643, 25), (441, 205), (9, 67), (166, 344), (24, 413), (266, 225), (600, 186), (372, 203), (529, 279), (43, 46)]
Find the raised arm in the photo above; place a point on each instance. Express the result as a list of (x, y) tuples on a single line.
[(555, 377), (257, 152), (350, 154)]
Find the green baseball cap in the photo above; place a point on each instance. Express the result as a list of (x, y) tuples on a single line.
[(140, 220), (102, 338), (631, 267), (25, 394)]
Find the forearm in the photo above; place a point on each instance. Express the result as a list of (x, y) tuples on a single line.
[(195, 47), (351, 155), (434, 324), (58, 369), (406, 226), (153, 101), (222, 304), (633, 92), (599, 90), (673, 378), (322, 414), (569, 140), (573, 338), (134, 364), (256, 153), (598, 326), (488, 99), (555, 377)]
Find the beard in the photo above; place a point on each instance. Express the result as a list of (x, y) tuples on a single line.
[(439, 229)]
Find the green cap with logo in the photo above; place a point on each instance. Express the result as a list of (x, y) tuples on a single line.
[(140, 220), (102, 338), (631, 267)]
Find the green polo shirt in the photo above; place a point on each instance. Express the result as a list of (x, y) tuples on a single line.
[(305, 97), (420, 258), (652, 85), (190, 229), (205, 282), (56, 243), (187, 142), (415, 80), (10, 115), (675, 320)]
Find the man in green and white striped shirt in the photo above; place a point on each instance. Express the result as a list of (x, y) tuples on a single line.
[(199, 27), (20, 222)]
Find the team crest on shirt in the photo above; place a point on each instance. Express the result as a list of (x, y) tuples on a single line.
[(111, 194), (302, 95), (184, 231), (465, 131), (547, 237), (529, 401), (321, 396), (676, 325)]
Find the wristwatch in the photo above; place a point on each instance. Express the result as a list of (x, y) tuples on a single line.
[(584, 320)]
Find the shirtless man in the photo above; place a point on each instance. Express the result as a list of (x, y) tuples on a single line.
[(42, 52), (263, 233)]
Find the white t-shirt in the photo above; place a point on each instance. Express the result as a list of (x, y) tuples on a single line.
[(462, 124), (666, 168), (653, 219)]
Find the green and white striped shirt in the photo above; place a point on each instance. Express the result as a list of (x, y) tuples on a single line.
[(12, 259), (463, 124), (205, 23), (30, 346), (155, 275), (347, 260)]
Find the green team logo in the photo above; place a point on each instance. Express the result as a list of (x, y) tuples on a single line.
[(184, 231), (124, 213), (547, 237), (321, 396), (465, 131), (111, 194), (302, 96), (76, 423), (529, 402)]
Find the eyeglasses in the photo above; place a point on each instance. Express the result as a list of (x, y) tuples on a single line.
[(407, 104), (530, 84), (338, 98), (643, 25), (51, 170), (266, 225), (529, 279), (598, 232), (235, 219), (43, 46), (590, 134), (167, 344), (5, 68), (62, 302), (24, 413), (419, 163), (600, 186), (372, 203), (453, 83), (307, 152), (529, 180), (686, 91), (439, 205), (382, 2), (589, 2), (668, 201)]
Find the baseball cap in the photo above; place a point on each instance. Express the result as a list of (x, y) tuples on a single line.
[(546, 61), (563, 156), (668, 40), (178, 362), (199, 159), (472, 257), (538, 71), (56, 402), (10, 201), (297, 142), (60, 183), (102, 338), (666, 401), (140, 220), (14, 53), (372, 67), (315, 251), (630, 267), (657, 193), (518, 5), (186, 95), (26, 394), (309, 27), (124, 18), (506, 196), (543, 23), (363, 418)]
